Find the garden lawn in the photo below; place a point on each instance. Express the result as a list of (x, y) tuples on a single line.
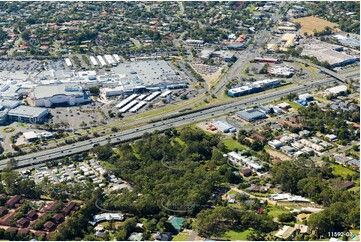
[(339, 170), (232, 144), (234, 235), (182, 236), (276, 211), (293, 104)]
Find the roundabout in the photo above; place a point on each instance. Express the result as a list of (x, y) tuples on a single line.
[(8, 129)]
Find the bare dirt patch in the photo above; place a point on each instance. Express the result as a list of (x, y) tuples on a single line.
[(308, 24), (277, 154)]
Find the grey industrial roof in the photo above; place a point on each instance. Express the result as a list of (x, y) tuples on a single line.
[(47, 91), (146, 73), (223, 125), (9, 103), (250, 114), (27, 111), (224, 54)]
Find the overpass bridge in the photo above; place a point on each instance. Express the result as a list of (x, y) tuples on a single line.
[(324, 70)]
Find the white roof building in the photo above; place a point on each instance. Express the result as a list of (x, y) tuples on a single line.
[(336, 90), (48, 95), (285, 233), (107, 217), (24, 113), (275, 144), (31, 135), (305, 96), (240, 160)]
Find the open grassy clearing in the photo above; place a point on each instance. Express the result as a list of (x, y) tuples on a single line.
[(341, 171), (308, 24), (232, 144), (234, 235), (182, 236), (275, 211)]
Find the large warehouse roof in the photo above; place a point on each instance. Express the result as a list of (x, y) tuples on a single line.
[(146, 73), (251, 114), (327, 52), (27, 111), (47, 91)]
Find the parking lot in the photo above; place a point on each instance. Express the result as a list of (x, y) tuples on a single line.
[(77, 117), (29, 69)]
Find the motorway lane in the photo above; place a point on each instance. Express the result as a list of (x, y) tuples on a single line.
[(79, 147)]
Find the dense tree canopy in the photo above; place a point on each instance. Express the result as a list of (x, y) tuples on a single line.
[(217, 221), (169, 172)]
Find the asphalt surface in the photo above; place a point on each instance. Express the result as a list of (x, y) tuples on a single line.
[(166, 123)]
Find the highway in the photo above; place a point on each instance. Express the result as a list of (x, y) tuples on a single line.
[(166, 123)]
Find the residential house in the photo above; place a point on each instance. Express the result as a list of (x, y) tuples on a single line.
[(303, 229), (50, 207), (163, 236), (341, 159), (58, 218), (5, 220), (287, 149), (31, 215), (354, 163), (49, 226), (3, 211), (302, 217), (259, 137), (68, 208), (286, 233), (304, 133), (246, 172), (23, 222), (13, 200), (275, 144), (257, 188), (135, 236)]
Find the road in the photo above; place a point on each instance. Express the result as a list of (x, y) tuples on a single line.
[(327, 71), (248, 54), (192, 236), (337, 150), (269, 201), (166, 123), (181, 9)]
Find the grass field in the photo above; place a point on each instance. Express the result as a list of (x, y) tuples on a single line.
[(234, 235), (182, 236), (276, 211), (308, 24), (341, 171), (232, 192), (232, 144), (293, 104)]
